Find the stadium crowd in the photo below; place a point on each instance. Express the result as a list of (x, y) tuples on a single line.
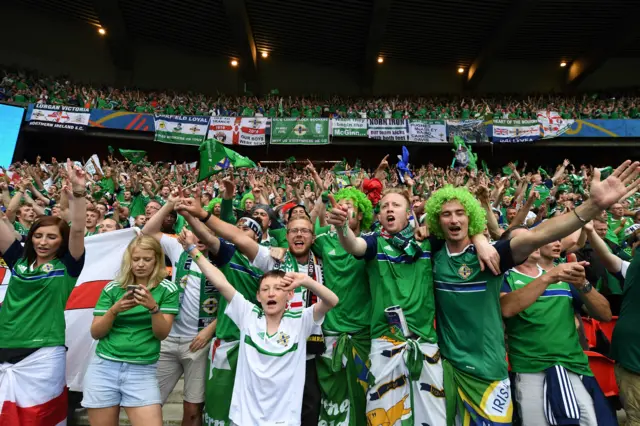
[(22, 86), (343, 295)]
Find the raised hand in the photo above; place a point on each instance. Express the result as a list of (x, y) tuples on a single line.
[(607, 192), (293, 280), (190, 206), (186, 238), (76, 176), (337, 216)]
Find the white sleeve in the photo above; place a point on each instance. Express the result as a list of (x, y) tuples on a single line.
[(263, 260), (172, 248), (624, 266), (239, 309), (309, 326)]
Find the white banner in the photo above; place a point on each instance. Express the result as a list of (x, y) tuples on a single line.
[(389, 129), (103, 255), (238, 130), (93, 164), (59, 117), (427, 130), (349, 127), (552, 124)]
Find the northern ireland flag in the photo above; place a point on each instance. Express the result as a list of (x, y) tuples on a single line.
[(238, 130)]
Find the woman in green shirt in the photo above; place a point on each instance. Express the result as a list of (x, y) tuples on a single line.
[(133, 314)]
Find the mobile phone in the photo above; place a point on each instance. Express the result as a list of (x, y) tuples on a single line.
[(131, 289)]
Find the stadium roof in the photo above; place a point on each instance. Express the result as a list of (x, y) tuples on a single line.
[(353, 33)]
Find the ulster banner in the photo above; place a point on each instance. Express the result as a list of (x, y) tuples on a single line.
[(238, 130), (552, 124), (58, 117), (181, 129)]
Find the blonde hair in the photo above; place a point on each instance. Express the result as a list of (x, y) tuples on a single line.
[(125, 275), (400, 191)]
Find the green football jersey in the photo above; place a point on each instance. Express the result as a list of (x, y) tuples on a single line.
[(131, 337), (395, 279), (346, 277), (20, 228), (544, 334), (32, 314), (469, 319), (625, 346), (243, 277)]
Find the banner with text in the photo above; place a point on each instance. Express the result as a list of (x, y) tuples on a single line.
[(516, 130), (427, 130), (238, 130), (552, 124), (300, 131), (58, 117), (181, 129), (469, 130), (349, 127), (388, 129)]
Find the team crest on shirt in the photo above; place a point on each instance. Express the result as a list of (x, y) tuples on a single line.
[(464, 271), (47, 267), (210, 305), (183, 282), (283, 339)]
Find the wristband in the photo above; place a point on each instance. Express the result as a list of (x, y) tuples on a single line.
[(197, 256), (207, 217), (575, 211), (190, 247), (155, 310)]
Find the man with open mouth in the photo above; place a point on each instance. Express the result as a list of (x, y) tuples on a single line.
[(405, 359), (470, 328)]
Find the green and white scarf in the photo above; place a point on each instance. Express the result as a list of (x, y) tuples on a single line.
[(209, 295), (403, 241)]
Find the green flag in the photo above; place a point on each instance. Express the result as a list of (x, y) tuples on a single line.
[(357, 166), (341, 166), (111, 150), (213, 159), (239, 161), (485, 168), (289, 161), (135, 156), (275, 92), (506, 170), (542, 172)]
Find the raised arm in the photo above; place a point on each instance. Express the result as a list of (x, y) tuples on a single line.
[(153, 226), (609, 260), (77, 209), (357, 246), (327, 299), (602, 195), (202, 232), (243, 242), (212, 273)]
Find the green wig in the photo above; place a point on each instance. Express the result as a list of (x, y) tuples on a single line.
[(361, 202), (310, 183), (245, 197), (212, 204), (475, 212)]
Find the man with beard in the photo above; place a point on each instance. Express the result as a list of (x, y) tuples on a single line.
[(539, 302), (462, 287), (298, 258), (406, 371)]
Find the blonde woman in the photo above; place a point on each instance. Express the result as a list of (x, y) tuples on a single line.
[(134, 313)]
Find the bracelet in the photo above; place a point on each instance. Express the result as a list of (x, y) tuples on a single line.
[(207, 217), (197, 256), (575, 211), (190, 247), (155, 310)]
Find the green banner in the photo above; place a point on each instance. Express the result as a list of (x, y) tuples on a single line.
[(300, 131)]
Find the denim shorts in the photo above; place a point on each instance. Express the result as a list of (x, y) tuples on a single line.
[(110, 383)]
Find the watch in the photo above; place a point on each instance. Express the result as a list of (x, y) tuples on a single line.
[(586, 288)]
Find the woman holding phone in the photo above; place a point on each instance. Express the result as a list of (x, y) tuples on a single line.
[(133, 314)]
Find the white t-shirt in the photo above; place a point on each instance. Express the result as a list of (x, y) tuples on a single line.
[(266, 263), (186, 322), (270, 375)]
